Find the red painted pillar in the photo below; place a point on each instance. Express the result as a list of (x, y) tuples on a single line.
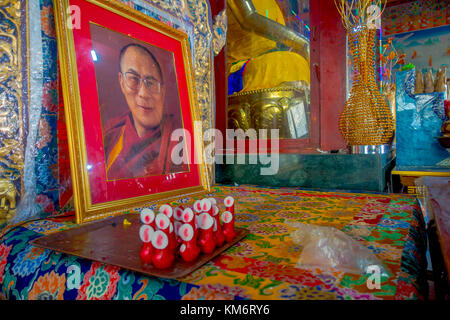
[(333, 69)]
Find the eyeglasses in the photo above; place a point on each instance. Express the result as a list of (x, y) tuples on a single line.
[(134, 82)]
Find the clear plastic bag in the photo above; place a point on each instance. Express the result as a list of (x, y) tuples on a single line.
[(329, 248)]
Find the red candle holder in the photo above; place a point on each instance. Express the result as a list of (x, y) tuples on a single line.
[(177, 225), (189, 249), (168, 211), (163, 256), (173, 242), (206, 240), (229, 204), (148, 217), (228, 226), (146, 234), (164, 224), (198, 206), (206, 206), (213, 201), (218, 234), (190, 218), (178, 213)]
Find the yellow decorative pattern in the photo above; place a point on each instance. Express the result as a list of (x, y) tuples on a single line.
[(267, 108), (262, 266), (11, 107)]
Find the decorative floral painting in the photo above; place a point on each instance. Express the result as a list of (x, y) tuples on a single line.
[(425, 49)]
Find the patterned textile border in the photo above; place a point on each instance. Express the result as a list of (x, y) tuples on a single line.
[(415, 15), (14, 96), (46, 169), (263, 266)]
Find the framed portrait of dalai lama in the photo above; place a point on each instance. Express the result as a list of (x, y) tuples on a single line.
[(130, 106), (139, 105)]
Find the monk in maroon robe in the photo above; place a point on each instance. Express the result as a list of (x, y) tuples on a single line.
[(132, 156)]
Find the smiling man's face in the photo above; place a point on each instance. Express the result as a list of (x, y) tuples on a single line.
[(146, 105)]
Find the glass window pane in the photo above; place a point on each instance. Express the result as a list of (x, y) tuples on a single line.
[(268, 66)]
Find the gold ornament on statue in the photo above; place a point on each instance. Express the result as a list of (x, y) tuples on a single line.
[(429, 81), (366, 118), (439, 82), (419, 87)]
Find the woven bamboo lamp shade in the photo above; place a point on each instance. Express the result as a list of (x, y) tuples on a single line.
[(366, 118)]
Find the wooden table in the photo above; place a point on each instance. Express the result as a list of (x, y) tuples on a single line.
[(408, 174), (435, 198)]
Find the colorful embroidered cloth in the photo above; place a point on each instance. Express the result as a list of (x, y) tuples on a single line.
[(263, 266)]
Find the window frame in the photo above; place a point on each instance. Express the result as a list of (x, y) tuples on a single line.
[(328, 81)]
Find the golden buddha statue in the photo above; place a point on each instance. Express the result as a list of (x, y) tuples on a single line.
[(271, 62), (254, 28)]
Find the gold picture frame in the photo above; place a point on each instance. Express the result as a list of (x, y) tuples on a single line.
[(95, 196)]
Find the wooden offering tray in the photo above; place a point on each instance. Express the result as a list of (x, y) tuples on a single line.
[(110, 241)]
